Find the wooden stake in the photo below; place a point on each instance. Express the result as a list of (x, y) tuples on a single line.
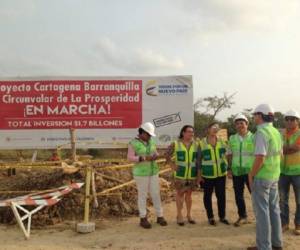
[(73, 143), (111, 194), (109, 177), (34, 155), (116, 187), (87, 195), (128, 183), (95, 204), (130, 165), (58, 152)]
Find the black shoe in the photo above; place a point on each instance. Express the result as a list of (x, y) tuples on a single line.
[(276, 248), (224, 221), (180, 222), (212, 222), (241, 221), (190, 220), (144, 223), (161, 221)]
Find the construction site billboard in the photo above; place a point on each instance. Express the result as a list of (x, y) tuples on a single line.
[(105, 111)]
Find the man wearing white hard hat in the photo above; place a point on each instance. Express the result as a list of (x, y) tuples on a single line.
[(142, 151), (240, 160), (290, 169), (263, 180)]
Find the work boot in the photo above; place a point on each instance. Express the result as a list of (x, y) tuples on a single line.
[(297, 230), (241, 221), (224, 221), (276, 248), (161, 221), (273, 248), (144, 223), (212, 222)]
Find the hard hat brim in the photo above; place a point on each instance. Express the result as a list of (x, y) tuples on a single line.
[(152, 134), (240, 119), (146, 130), (292, 116)]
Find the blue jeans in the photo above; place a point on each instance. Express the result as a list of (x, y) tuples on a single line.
[(285, 182), (265, 200)]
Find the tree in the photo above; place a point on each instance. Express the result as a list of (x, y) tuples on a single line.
[(213, 105), (206, 109), (279, 120), (200, 123)]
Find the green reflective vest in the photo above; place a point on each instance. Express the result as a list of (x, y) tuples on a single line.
[(144, 168), (270, 169), (290, 164), (185, 160), (242, 153), (213, 159)]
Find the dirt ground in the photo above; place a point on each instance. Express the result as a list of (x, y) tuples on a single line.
[(126, 234)]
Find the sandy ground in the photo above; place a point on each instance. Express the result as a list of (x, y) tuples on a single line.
[(125, 233)]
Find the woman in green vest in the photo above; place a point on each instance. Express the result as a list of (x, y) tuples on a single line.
[(213, 171), (142, 151), (182, 156)]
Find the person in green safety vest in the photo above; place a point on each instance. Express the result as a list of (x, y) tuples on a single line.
[(240, 160), (213, 171), (263, 180), (182, 156), (142, 151), (290, 170)]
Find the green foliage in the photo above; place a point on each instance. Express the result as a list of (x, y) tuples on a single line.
[(201, 122), (206, 109), (229, 124), (279, 120), (95, 152)]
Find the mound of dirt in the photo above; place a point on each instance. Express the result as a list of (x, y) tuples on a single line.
[(122, 202)]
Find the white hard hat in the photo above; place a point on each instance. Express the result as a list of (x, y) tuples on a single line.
[(149, 128), (241, 117), (265, 109), (292, 113)]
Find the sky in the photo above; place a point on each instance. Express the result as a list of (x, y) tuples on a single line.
[(251, 48)]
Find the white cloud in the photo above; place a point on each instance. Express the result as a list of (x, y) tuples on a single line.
[(135, 60), (10, 9), (224, 15), (104, 58), (148, 59), (21, 66)]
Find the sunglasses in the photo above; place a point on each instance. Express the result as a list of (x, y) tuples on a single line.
[(290, 118)]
